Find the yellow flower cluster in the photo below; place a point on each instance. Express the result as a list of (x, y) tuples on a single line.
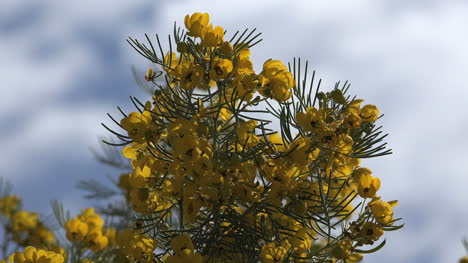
[(135, 246), (206, 157), (209, 182), (273, 254), (382, 211), (9, 204), (223, 60), (24, 226), (34, 255), (344, 251), (276, 80), (87, 228), (183, 251)]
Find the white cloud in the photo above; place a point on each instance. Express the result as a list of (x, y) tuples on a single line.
[(45, 58), (33, 86), (54, 129)]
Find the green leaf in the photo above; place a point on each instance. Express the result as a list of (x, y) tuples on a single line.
[(5, 187), (60, 214), (392, 228), (375, 249), (321, 96), (337, 96), (96, 190)]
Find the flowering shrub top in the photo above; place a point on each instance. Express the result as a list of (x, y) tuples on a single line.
[(211, 181)]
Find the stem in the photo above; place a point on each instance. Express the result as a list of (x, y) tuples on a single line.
[(181, 213), (5, 243), (362, 207)]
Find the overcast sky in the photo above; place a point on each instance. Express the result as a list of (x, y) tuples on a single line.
[(65, 64)]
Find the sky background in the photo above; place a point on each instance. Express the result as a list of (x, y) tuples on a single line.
[(65, 64)]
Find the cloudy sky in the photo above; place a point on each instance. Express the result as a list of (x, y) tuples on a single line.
[(65, 64)]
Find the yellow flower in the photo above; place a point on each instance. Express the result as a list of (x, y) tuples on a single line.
[(245, 134), (370, 232), (463, 259), (368, 186), (248, 191), (226, 48), (59, 250), (360, 172), (343, 143), (136, 245), (277, 141), (301, 241), (150, 75), (354, 258), (111, 234), (369, 113), (173, 187), (343, 251), (220, 68), (282, 177), (96, 241), (274, 254), (302, 152), (140, 177), (212, 37), (189, 75), (345, 165), (24, 220), (352, 120), (179, 128), (276, 80), (225, 114), (188, 148), (8, 204), (134, 151), (171, 61), (280, 86), (76, 229), (245, 84), (143, 200), (93, 220), (247, 126), (182, 243), (382, 211), (33, 255), (137, 124), (354, 106), (243, 64), (196, 22), (312, 120), (41, 236), (271, 68)]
